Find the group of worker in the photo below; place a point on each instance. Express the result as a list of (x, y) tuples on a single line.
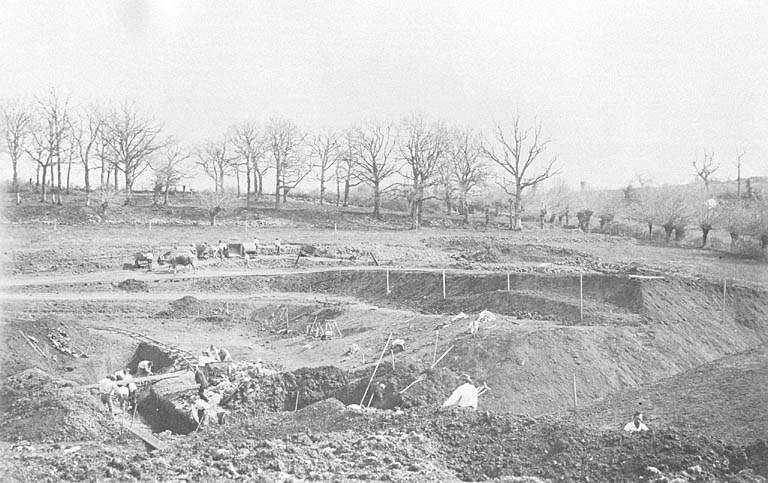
[(466, 396), (120, 385)]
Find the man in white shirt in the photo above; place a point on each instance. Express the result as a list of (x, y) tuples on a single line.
[(465, 396), (144, 368), (636, 424), (107, 388), (277, 246)]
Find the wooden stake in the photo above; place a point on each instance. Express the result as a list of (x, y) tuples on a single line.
[(388, 290), (296, 407), (434, 352), (55, 224), (370, 400), (575, 401), (725, 291), (508, 284), (581, 296), (150, 225), (334, 228), (443, 283), (392, 352), (441, 357), (384, 351), (246, 226)]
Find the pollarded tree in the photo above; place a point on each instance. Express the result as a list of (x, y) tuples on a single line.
[(519, 155), (423, 148), (17, 125), (214, 202), (324, 148), (673, 213), (375, 166), (131, 139), (706, 212)]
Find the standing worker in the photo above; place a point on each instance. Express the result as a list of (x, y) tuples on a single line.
[(636, 424), (202, 383), (107, 388), (277, 246)]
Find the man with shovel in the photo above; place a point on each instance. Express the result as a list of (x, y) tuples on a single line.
[(464, 396)]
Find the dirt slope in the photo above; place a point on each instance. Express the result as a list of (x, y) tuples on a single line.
[(724, 399)]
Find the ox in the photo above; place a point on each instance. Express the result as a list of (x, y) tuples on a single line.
[(175, 260)]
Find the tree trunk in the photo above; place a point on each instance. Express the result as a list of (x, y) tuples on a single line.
[(346, 192), (212, 215), (518, 216), (37, 177), (650, 230), (376, 201), (156, 194), (43, 197), (165, 194), (734, 240), (668, 227), (487, 217), (322, 187), (69, 172), (261, 184), (58, 171), (704, 234), (277, 186), (128, 186), (117, 187), (15, 182), (738, 180), (285, 195), (87, 179), (247, 183), (465, 210)]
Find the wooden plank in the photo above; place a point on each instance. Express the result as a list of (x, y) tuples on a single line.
[(147, 437), (139, 380), (646, 277)]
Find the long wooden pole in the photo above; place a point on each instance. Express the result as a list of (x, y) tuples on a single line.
[(388, 291), (581, 296), (508, 284), (434, 352), (725, 291), (384, 351), (441, 357)]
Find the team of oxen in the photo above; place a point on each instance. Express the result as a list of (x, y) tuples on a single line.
[(180, 257)]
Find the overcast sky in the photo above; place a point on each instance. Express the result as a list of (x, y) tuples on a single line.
[(620, 87)]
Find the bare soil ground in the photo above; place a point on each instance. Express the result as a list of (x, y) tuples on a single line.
[(691, 357)]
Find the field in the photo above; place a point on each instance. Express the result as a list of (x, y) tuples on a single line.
[(589, 328)]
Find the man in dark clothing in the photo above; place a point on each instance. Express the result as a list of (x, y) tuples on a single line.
[(202, 383)]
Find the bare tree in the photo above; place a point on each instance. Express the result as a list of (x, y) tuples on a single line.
[(249, 146), (346, 165), (739, 155), (38, 151), (423, 148), (466, 168), (169, 168), (374, 144), (283, 142), (707, 168), (518, 157), (55, 123), (132, 140), (17, 124), (217, 161), (324, 148), (87, 130), (214, 203)]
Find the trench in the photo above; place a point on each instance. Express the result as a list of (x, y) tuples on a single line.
[(160, 414)]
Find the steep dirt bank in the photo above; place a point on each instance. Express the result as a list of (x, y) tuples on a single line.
[(724, 399)]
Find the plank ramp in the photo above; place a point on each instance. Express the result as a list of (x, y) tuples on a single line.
[(147, 437)]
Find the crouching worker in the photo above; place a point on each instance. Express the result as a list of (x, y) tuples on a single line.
[(145, 368), (200, 412), (464, 396), (636, 424)]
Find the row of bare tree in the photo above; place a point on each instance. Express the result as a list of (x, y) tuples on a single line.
[(416, 158)]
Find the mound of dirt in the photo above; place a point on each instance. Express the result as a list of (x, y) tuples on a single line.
[(39, 407), (133, 285)]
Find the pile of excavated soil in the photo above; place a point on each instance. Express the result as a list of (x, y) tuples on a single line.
[(133, 285), (39, 407), (326, 442)]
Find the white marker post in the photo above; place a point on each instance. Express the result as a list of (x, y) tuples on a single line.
[(150, 225), (575, 401), (434, 352), (508, 284), (388, 290), (725, 291), (55, 224), (443, 283)]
